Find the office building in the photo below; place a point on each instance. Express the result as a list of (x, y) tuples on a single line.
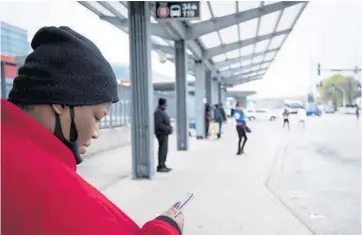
[(14, 40)]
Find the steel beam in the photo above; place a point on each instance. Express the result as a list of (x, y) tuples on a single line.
[(178, 30), (236, 45), (170, 50), (156, 29), (228, 73), (218, 23), (249, 80), (208, 80), (241, 75), (246, 80), (228, 62)]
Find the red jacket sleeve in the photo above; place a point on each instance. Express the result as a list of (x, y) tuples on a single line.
[(162, 225)]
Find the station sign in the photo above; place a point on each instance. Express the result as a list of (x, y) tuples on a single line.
[(178, 10)]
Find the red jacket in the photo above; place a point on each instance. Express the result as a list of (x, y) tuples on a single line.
[(41, 193)]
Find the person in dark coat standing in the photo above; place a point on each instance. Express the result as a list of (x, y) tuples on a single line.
[(208, 118), (223, 112), (219, 119), (163, 129)]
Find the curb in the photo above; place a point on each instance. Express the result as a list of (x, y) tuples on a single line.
[(272, 182)]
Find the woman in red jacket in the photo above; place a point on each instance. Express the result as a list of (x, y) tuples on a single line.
[(64, 88)]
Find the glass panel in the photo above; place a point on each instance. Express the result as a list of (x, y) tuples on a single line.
[(246, 62), (247, 50), (269, 2), (211, 40), (229, 34), (261, 46), (255, 67), (267, 23), (219, 58), (248, 29), (246, 70), (224, 68), (247, 5), (276, 41), (252, 74), (264, 66), (288, 17), (234, 66), (257, 59), (223, 8), (269, 56), (233, 54)]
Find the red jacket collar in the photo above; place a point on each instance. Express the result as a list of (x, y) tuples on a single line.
[(27, 129)]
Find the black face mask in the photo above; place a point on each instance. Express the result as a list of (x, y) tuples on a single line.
[(72, 143), (163, 107)]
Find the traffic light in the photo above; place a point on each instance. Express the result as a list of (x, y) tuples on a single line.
[(319, 69), (333, 87), (356, 70)]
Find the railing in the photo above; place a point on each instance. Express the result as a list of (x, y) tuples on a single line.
[(118, 115), (120, 112)]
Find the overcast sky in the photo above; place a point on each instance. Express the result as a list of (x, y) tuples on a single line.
[(327, 32)]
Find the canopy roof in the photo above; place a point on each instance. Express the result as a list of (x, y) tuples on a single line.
[(237, 41)]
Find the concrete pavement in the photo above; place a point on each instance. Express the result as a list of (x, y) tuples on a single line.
[(231, 196), (319, 174)]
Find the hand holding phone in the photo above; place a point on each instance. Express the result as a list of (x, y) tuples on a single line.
[(181, 204)]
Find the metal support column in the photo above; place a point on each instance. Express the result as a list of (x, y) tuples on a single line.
[(199, 100), (214, 92), (208, 81), (182, 125), (224, 96), (142, 125), (219, 95)]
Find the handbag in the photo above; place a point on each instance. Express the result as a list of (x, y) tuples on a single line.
[(247, 129)]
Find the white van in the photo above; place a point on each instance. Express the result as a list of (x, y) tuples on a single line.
[(260, 114)]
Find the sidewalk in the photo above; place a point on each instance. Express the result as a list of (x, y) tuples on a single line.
[(231, 196)]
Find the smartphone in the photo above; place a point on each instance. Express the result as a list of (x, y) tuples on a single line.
[(181, 204)]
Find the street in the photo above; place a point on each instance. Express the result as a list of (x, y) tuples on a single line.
[(320, 174)]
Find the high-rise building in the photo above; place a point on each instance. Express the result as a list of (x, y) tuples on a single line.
[(14, 40)]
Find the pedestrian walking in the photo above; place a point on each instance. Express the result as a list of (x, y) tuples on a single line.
[(357, 112), (241, 128), (218, 117), (286, 119)]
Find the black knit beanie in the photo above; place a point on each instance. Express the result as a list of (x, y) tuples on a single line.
[(64, 68), (161, 101)]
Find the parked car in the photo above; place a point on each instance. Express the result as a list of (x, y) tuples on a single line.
[(330, 109), (314, 112), (349, 109), (260, 114)]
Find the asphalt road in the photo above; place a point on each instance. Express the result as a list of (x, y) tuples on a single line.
[(321, 174)]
